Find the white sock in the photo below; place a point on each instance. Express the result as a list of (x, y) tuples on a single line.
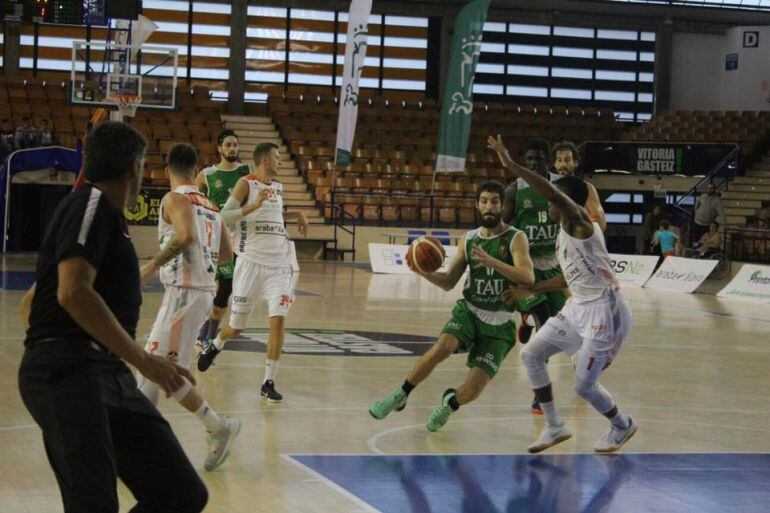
[(620, 420), (211, 420), (551, 416), (271, 369), (219, 343)]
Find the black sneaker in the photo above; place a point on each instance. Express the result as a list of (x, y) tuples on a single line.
[(525, 331), (206, 358), (536, 409), (269, 393)]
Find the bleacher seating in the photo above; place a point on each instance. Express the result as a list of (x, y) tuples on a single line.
[(198, 120)]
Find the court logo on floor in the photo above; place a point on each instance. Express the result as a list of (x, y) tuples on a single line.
[(336, 342)]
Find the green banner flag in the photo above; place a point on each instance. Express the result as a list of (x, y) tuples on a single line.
[(457, 108)]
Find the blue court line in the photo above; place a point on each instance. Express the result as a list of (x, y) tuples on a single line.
[(565, 483)]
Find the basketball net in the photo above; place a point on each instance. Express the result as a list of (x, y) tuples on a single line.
[(127, 105)]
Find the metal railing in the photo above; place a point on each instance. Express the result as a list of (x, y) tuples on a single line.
[(748, 244)]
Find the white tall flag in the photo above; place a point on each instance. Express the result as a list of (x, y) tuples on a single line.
[(355, 55)]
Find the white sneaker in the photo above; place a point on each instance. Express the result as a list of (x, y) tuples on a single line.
[(614, 438), (219, 443), (550, 436)]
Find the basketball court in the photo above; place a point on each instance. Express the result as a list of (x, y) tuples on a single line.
[(693, 373)]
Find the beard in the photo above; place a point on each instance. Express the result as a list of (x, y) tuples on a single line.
[(490, 220), (231, 158)]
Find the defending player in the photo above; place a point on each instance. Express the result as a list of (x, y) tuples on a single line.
[(481, 322), (192, 239), (594, 321), (266, 261), (528, 211), (217, 182)]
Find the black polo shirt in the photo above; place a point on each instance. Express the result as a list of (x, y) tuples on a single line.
[(88, 225)]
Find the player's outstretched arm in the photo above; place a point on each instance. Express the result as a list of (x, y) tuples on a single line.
[(509, 203), (225, 245), (574, 216), (594, 207), (448, 280), (176, 207), (521, 272), (235, 208)]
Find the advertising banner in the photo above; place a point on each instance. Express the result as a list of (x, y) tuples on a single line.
[(633, 269), (681, 274), (654, 158), (752, 283), (391, 258)]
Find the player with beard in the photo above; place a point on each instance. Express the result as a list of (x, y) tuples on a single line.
[(217, 182), (481, 322), (566, 160)]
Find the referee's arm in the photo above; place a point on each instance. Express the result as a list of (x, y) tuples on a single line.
[(77, 296)]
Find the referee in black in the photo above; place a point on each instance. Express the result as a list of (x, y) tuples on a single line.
[(97, 426)]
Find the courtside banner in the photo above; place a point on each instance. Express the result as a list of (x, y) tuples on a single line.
[(633, 269), (457, 108), (355, 55), (752, 283), (681, 274), (391, 258)]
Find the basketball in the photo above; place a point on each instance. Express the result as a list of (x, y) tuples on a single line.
[(425, 254)]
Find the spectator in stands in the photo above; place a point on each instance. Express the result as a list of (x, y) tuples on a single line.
[(7, 138), (45, 136), (566, 161), (708, 208), (26, 134), (651, 224), (711, 242), (666, 239)]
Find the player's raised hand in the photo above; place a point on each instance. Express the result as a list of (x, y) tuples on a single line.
[(496, 144), (483, 258)]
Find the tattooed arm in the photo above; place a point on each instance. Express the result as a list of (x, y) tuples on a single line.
[(176, 210)]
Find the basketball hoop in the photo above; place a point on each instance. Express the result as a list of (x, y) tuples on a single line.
[(127, 103)]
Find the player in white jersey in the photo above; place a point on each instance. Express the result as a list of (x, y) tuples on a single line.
[(266, 267), (593, 323), (193, 238)]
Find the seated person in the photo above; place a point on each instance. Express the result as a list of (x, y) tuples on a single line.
[(711, 242), (666, 239)]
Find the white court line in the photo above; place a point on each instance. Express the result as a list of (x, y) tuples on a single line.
[(381, 369), (331, 484), (371, 443)]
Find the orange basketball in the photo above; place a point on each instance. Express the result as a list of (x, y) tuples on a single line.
[(425, 254)]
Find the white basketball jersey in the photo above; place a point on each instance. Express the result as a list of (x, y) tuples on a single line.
[(586, 265), (195, 267), (262, 236)]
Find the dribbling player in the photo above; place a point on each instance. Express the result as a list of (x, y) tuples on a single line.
[(192, 239), (266, 264), (481, 322), (595, 320)]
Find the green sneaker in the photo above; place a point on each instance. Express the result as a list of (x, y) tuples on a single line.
[(395, 401), (441, 414)]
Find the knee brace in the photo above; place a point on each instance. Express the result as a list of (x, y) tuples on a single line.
[(224, 290)]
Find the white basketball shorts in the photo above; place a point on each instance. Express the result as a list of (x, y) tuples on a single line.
[(252, 283), (182, 313)]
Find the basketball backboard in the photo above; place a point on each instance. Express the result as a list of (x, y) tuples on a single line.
[(101, 69)]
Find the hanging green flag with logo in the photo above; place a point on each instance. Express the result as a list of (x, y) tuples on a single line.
[(457, 109), (355, 55)]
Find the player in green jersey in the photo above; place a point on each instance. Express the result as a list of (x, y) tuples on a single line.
[(566, 161), (481, 322), (528, 212), (216, 182)]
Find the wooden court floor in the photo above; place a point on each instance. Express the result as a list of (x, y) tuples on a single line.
[(695, 373)]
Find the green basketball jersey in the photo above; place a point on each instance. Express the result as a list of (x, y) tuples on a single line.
[(531, 216), (484, 287), (219, 182)]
